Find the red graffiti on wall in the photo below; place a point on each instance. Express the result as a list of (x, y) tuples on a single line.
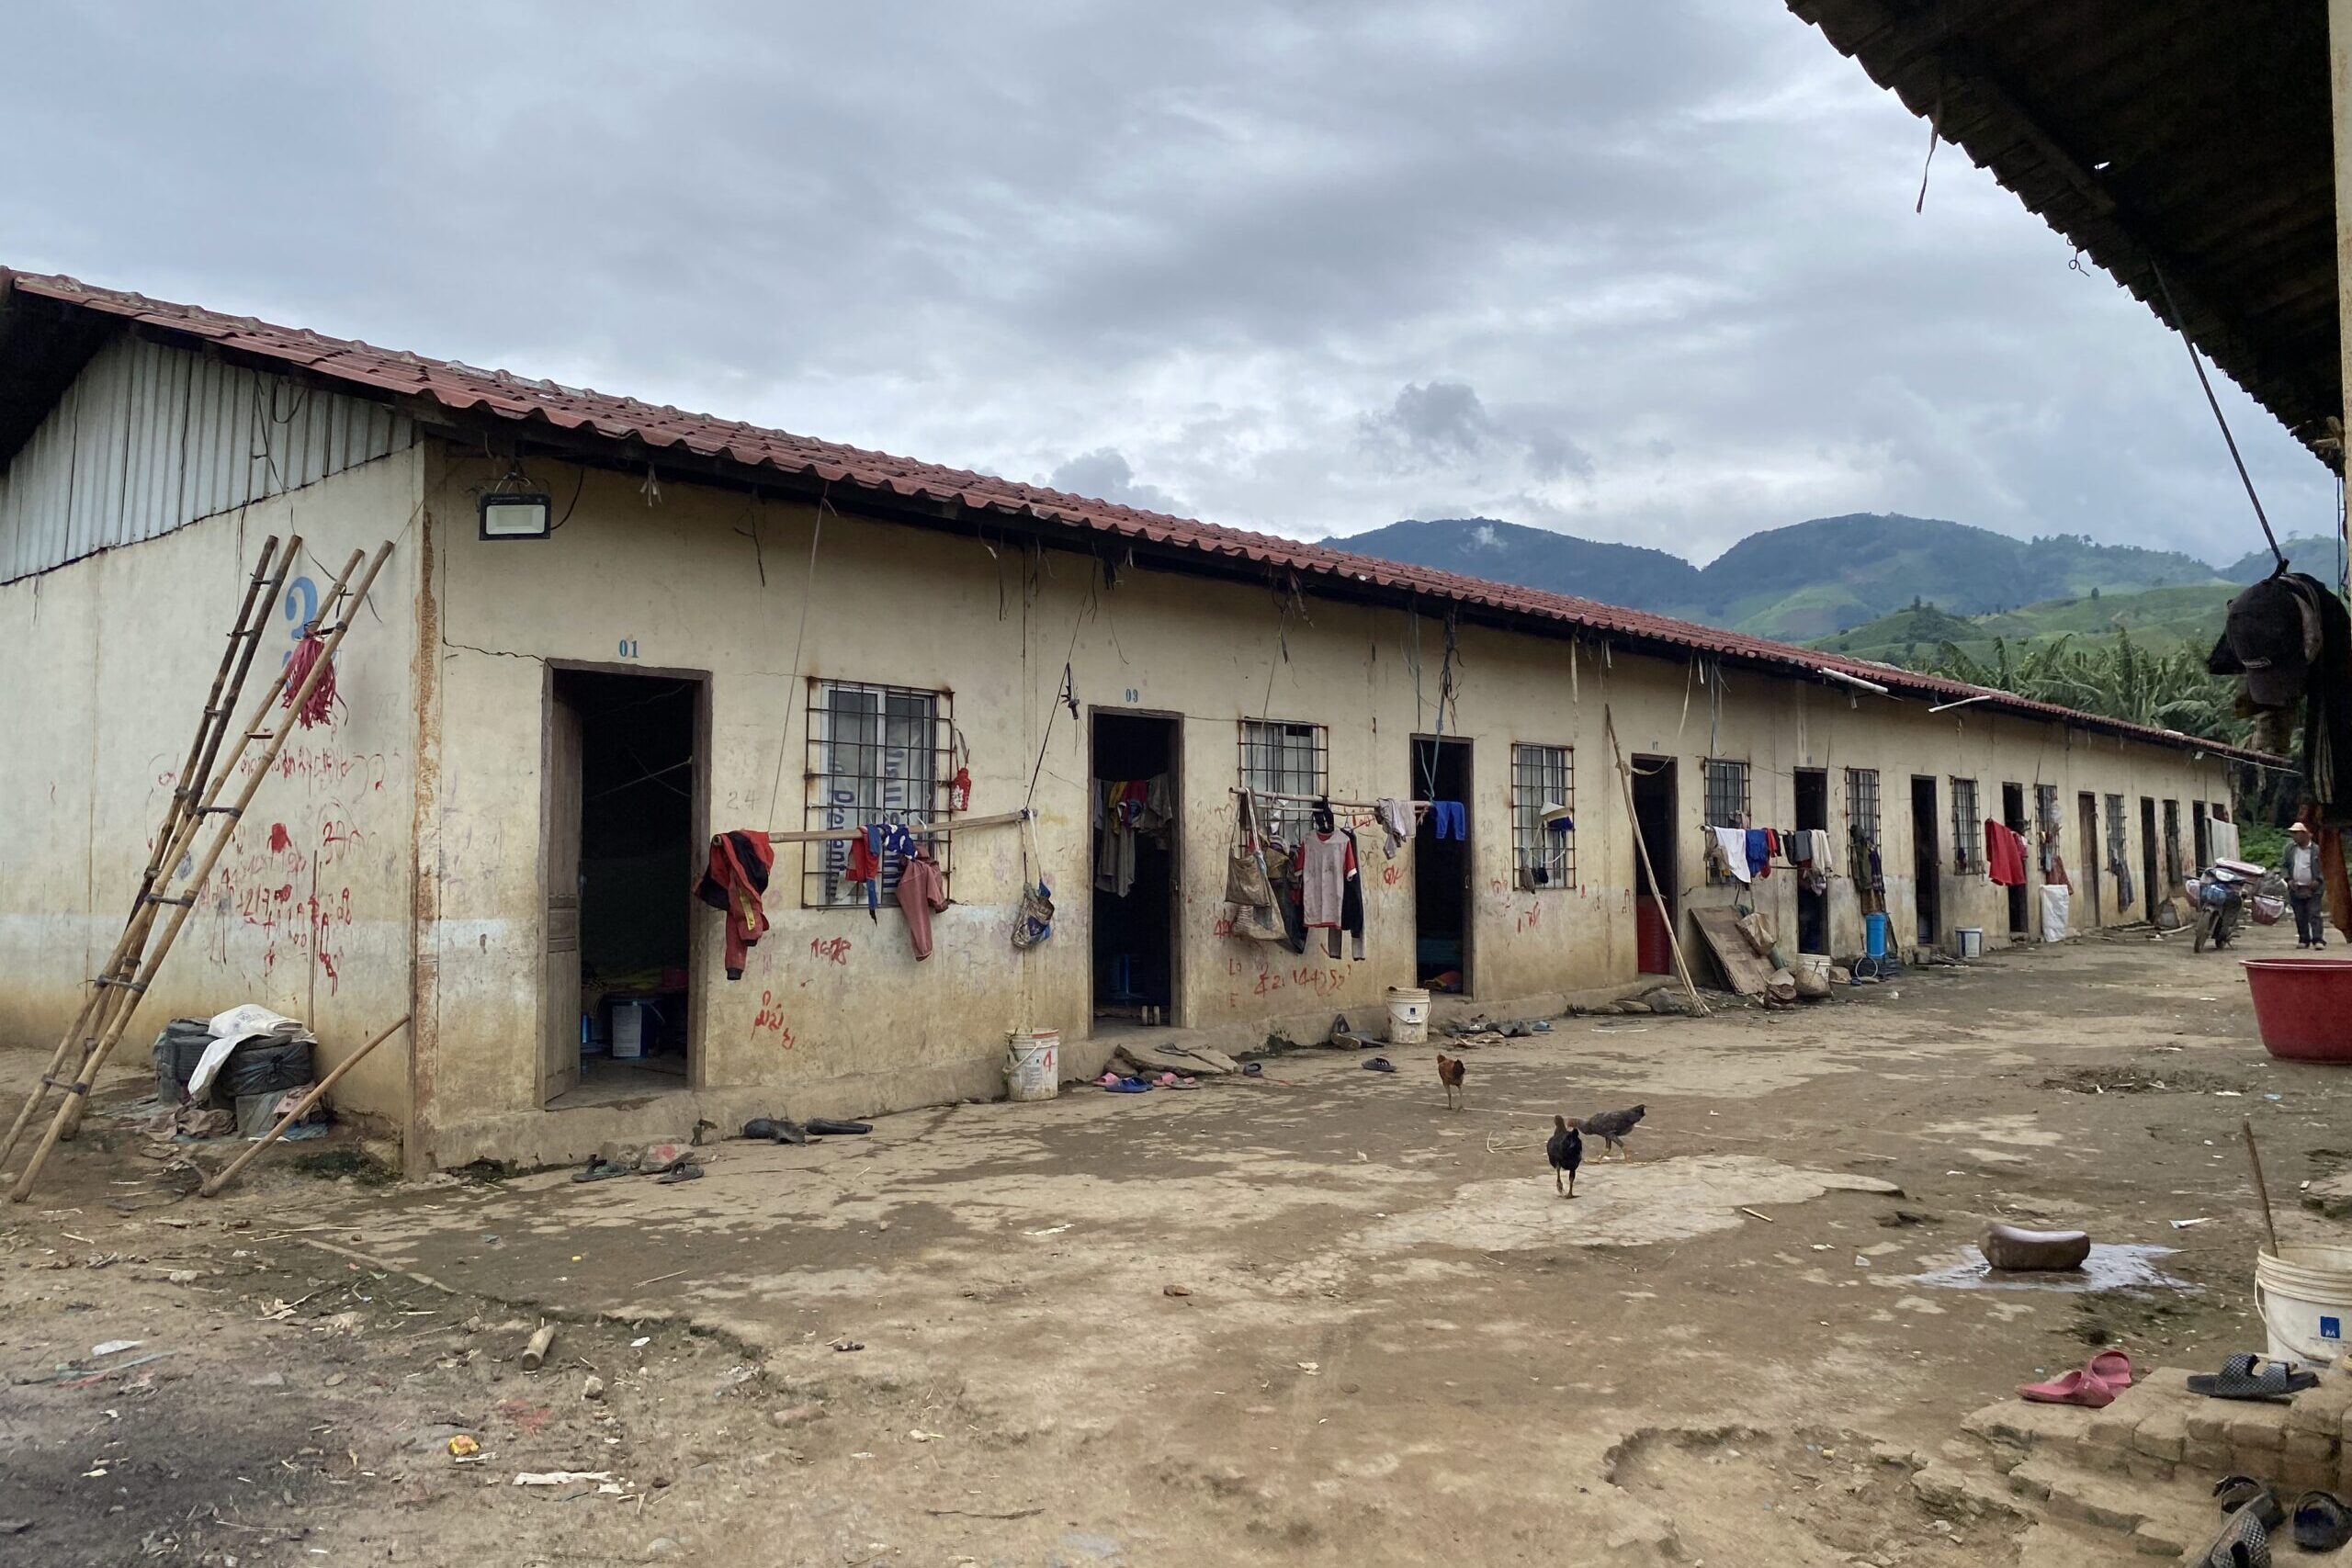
[(833, 950), (768, 1025)]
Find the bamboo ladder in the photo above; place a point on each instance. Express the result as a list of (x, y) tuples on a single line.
[(336, 611), (110, 986)]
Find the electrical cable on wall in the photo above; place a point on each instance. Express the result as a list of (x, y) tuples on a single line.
[(799, 637)]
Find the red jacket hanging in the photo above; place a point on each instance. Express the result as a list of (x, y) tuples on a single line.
[(2004, 854), (736, 877)]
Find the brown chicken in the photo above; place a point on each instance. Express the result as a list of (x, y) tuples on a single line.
[(1449, 1073)]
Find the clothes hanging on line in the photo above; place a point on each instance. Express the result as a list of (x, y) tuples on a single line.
[(1351, 903), (867, 859), (1452, 819), (1758, 844), (1731, 848), (2004, 854), (1326, 861), (922, 892), (1396, 821), (1124, 809), (735, 881)]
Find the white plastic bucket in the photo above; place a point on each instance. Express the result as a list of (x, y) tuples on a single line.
[(2305, 1294), (628, 1030), (1817, 962), (1033, 1064), (1408, 1016), (1972, 940)]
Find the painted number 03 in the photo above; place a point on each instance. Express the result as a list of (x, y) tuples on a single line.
[(628, 648)]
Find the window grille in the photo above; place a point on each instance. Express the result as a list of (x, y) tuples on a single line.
[(1861, 809), (1726, 793), (1285, 758), (1967, 827), (875, 754), (1543, 777)]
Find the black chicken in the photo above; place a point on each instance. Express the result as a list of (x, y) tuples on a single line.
[(1611, 1127), (1566, 1151)]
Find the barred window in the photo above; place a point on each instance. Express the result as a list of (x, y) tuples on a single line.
[(1543, 785), (1726, 793), (2045, 807), (1285, 758), (1861, 808), (1967, 827), (877, 754)]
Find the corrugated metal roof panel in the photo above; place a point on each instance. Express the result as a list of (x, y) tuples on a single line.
[(149, 437)]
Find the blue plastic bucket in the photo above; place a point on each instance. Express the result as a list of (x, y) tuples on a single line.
[(1874, 925)]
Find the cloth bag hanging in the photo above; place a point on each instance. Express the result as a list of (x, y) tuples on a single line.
[(1245, 882)]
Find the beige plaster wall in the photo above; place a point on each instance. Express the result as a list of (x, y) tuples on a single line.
[(834, 1016), (309, 912)]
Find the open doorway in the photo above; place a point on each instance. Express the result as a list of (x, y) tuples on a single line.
[(2200, 832), (2175, 875), (2151, 892), (1135, 884), (1926, 862), (1441, 775), (1813, 908), (2013, 813), (1653, 902), (2086, 856), (623, 824)]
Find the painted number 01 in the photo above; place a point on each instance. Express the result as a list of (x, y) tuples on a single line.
[(628, 648)]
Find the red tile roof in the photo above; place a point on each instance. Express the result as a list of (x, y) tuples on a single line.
[(464, 389)]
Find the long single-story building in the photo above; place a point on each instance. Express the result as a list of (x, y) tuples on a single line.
[(609, 631)]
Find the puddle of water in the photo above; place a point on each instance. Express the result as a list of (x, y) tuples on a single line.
[(2116, 1268)]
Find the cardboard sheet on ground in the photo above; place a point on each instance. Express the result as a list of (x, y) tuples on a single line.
[(1747, 972)]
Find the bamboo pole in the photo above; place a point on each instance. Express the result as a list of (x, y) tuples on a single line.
[(1632, 817), (78, 1092), (212, 1188), (219, 706), (191, 819)]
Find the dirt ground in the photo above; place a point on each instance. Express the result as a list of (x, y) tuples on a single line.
[(1316, 1319)]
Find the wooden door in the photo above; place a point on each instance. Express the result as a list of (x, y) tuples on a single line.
[(560, 932)]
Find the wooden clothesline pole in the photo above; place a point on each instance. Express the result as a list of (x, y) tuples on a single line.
[(1633, 816)]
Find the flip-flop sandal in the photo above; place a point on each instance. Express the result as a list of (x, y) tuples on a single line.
[(2242, 1539), (2236, 1492), (1185, 1083), (2322, 1522), (685, 1170), (1253, 1069), (2112, 1368), (1380, 1064), (2076, 1387), (827, 1127), (1128, 1086), (600, 1170), (2238, 1379)]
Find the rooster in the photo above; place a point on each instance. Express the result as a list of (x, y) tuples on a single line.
[(1566, 1151), (1449, 1073), (1611, 1127)]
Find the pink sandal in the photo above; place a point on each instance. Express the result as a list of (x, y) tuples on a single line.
[(2093, 1385)]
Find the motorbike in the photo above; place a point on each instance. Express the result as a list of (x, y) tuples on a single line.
[(2219, 897)]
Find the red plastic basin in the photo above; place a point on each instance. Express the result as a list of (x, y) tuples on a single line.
[(2303, 1007)]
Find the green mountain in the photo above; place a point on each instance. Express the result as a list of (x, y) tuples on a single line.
[(2305, 552), (2160, 619), (1799, 583)]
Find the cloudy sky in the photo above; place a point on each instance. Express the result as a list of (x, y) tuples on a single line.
[(1640, 272)]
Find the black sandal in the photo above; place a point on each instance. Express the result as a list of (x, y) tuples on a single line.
[(825, 1126), (600, 1170), (2322, 1522), (2244, 1541), (2238, 1379)]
